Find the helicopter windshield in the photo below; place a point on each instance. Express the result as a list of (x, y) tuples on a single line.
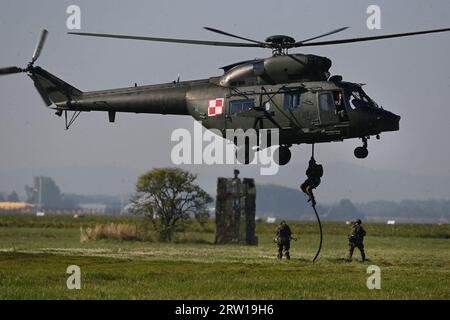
[(356, 98)]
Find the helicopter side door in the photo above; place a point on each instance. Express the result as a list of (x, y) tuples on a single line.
[(308, 114)]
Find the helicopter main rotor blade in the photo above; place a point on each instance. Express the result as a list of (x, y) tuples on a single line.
[(185, 41), (352, 40), (263, 44), (10, 70), (322, 35)]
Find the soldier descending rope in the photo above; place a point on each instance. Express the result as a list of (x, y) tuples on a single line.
[(314, 173)]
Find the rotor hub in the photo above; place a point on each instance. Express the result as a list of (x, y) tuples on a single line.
[(280, 44), (280, 39)]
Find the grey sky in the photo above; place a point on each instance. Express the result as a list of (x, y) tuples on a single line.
[(407, 76)]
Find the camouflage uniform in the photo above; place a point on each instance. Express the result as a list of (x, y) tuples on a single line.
[(356, 239), (283, 239), (313, 173)]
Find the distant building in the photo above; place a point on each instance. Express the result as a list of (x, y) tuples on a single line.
[(10, 206), (44, 193), (93, 207), (271, 220)]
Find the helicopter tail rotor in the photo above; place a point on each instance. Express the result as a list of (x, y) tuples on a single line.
[(37, 52), (50, 88)]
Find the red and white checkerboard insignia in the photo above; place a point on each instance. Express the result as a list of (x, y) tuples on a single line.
[(215, 107)]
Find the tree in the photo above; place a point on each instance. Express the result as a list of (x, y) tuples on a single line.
[(169, 197)]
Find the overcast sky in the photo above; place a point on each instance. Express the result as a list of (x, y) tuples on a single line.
[(408, 76)]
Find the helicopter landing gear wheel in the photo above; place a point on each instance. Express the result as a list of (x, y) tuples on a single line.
[(282, 155), (362, 152)]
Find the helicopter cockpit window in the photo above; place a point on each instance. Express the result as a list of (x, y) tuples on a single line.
[(357, 98), (241, 105), (291, 100)]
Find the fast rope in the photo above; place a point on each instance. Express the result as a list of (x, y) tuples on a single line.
[(321, 236), (318, 220)]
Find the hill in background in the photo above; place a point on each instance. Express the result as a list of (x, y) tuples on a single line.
[(287, 203)]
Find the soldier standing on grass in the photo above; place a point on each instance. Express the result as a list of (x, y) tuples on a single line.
[(356, 239), (283, 239)]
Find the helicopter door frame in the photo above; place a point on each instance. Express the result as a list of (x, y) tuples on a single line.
[(340, 110)]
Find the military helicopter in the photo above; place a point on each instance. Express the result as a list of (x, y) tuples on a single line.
[(293, 93)]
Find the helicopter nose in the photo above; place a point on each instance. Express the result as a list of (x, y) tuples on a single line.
[(389, 121), (396, 120)]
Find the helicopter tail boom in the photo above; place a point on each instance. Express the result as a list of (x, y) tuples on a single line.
[(144, 99), (148, 99), (51, 88)]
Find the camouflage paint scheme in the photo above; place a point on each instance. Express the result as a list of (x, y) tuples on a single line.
[(262, 81)]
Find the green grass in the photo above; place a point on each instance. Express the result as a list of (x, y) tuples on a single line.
[(34, 255)]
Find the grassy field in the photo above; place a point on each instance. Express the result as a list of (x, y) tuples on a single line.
[(35, 252)]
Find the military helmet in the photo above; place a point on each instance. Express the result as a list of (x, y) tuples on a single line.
[(358, 221)]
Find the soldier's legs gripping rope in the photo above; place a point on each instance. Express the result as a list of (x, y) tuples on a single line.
[(308, 186)]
